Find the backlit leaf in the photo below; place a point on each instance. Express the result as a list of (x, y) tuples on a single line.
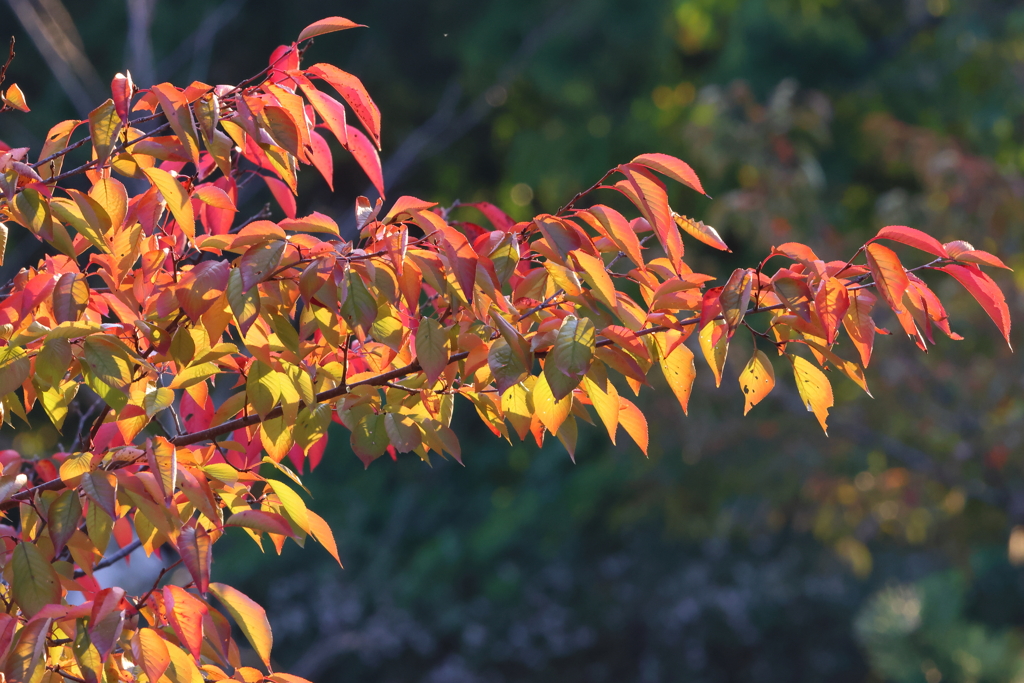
[(249, 616), (35, 582), (177, 199), (328, 25), (757, 380), (432, 348), (814, 387), (570, 356), (714, 344), (890, 278)]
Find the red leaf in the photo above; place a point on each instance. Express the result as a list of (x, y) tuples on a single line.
[(912, 238), (283, 195), (363, 152), (890, 277), (321, 156), (121, 90), (352, 91), (195, 548), (674, 168), (986, 292)]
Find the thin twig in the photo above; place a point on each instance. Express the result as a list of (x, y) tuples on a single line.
[(115, 558), (7, 64)]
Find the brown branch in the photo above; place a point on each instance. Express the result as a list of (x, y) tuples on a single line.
[(7, 64)]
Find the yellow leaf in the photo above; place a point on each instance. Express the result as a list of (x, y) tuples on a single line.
[(596, 275), (677, 365), (714, 342), (815, 390), (756, 380), (249, 616), (552, 413), (177, 199), (604, 396)]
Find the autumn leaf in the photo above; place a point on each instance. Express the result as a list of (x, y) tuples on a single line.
[(249, 616), (890, 277), (36, 584), (757, 380), (570, 356), (814, 387)]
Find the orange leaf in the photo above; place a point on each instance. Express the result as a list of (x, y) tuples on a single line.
[(890, 277), (179, 115), (618, 230), (15, 98), (649, 195), (859, 325), (831, 302), (249, 616), (634, 422), (596, 275), (604, 397), (330, 110), (321, 531), (674, 168), (185, 614), (328, 25), (815, 390), (150, 651)]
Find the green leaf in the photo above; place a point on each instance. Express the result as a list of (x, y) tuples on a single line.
[(263, 387), (53, 361), (245, 303), (157, 399), (432, 348), (359, 308), (506, 365), (295, 510), (571, 355), (15, 368), (108, 361), (104, 125), (259, 262), (35, 582), (402, 432), (369, 438), (249, 616), (64, 515)]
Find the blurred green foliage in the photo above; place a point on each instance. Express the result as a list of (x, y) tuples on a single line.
[(744, 548)]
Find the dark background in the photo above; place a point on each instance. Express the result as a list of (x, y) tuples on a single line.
[(743, 549)]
